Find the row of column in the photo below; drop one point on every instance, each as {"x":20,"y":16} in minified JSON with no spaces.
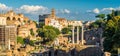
{"x":73,"y":35}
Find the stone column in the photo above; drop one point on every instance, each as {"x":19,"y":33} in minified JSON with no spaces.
{"x":82,"y":35}
{"x":77,"y":34}
{"x":9,"y":44}
{"x":73,"y":34}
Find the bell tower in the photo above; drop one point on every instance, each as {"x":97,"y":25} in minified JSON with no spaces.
{"x":53,"y":13}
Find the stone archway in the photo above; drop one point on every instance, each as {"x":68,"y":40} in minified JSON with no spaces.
{"x":14,"y":19}
{"x":19,"y":19}
{"x":8,"y":18}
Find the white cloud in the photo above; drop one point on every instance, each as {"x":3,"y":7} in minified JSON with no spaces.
{"x":104,"y":9}
{"x":31,"y":9}
{"x":66,"y":11}
{"x":96,"y":10}
{"x":118,"y":8}
{"x":4,"y":7}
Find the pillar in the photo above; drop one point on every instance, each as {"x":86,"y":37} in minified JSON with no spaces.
{"x":9,"y":44}
{"x":73,"y":34}
{"x":77,"y":34}
{"x":82,"y":35}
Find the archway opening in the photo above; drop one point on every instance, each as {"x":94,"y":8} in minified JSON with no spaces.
{"x":19,"y":19}
{"x":14,"y":18}
{"x":8,"y":18}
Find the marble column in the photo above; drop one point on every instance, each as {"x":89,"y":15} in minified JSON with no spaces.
{"x":9,"y":44}
{"x":73,"y":34}
{"x":82,"y":35}
{"x":77,"y":34}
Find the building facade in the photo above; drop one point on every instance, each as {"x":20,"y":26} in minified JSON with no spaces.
{"x":42,"y":17}
{"x":55,"y":24}
{"x":23,"y":32}
{"x":55,"y":21}
{"x":2,"y":21}
{"x":13,"y":19}
{"x":22,"y":23}
{"x":7,"y":36}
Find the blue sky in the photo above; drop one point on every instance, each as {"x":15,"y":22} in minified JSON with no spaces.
{"x":70,"y":9}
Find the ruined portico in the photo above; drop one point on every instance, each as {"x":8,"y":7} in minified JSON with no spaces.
{"x":77,"y":38}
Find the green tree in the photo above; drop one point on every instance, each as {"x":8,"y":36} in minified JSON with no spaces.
{"x":31,"y":43}
{"x":50,"y":34}
{"x":69,"y":25}
{"x":65,"y":30}
{"x":100,"y":16}
{"x":41,"y":24}
{"x":51,"y":27}
{"x":31,"y":32}
{"x":111,"y":16}
{"x":99,"y":23}
{"x":94,"y":25}
{"x":20,"y":40}
{"x":112,"y":34}
{"x":40,"y":32}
